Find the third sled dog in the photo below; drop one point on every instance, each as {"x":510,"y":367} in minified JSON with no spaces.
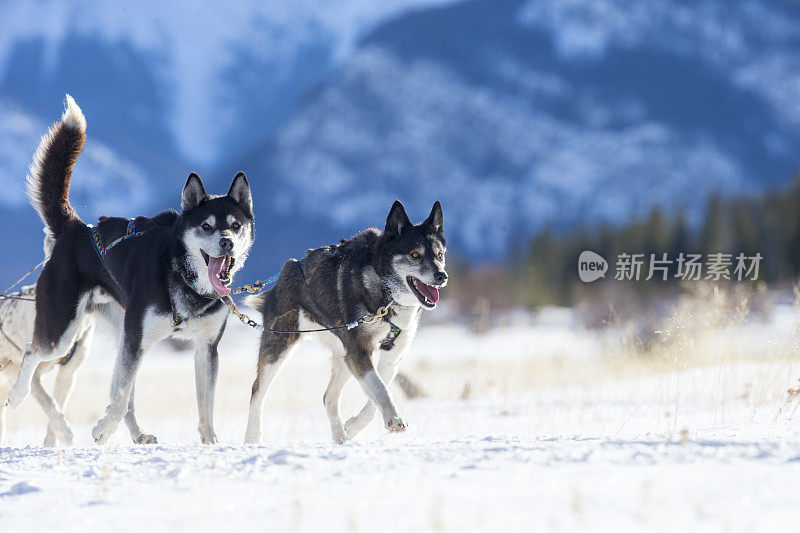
{"x":401,"y":267}
{"x":166,"y":275}
{"x":16,"y":328}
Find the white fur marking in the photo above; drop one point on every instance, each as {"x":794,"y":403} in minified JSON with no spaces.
{"x":73,"y":116}
{"x":326,"y":338}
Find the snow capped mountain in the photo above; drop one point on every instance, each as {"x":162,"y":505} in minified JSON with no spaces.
{"x":516,"y":114}
{"x":206,"y":74}
{"x":524,"y":114}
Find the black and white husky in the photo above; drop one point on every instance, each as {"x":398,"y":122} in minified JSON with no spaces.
{"x":401,"y":268}
{"x":164,"y":274}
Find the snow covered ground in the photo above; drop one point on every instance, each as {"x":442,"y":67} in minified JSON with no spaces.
{"x":532,"y":427}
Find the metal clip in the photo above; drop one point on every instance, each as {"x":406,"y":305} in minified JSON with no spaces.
{"x":380,"y":313}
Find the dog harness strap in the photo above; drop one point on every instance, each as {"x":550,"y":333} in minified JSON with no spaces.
{"x":177,"y":319}
{"x":26,"y":295}
{"x":98,"y":241}
{"x":101,"y":253}
{"x":256,"y":286}
{"x":130,"y":231}
{"x":300,"y":267}
{"x":14,"y":344}
{"x":388,"y":341}
{"x":67,"y":358}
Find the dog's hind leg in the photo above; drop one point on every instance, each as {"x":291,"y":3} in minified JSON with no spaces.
{"x":53,"y":336}
{"x":57,"y":426}
{"x":339,"y":378}
{"x":31,"y":360}
{"x":65,"y":378}
{"x":388,"y":366}
{"x":265,"y":375}
{"x":272,"y":353}
{"x":138,"y":436}
{"x":135,"y":341}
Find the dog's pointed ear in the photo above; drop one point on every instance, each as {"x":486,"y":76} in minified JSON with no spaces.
{"x":436,"y":218}
{"x":397,"y":222}
{"x":240,"y":191}
{"x":193,"y":193}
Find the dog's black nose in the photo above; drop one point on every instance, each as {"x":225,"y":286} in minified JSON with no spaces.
{"x":226,"y":244}
{"x":440,"y":277}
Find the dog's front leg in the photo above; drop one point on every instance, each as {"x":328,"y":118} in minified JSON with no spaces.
{"x":128,"y":359}
{"x":359,"y":361}
{"x":387,"y":370}
{"x":138,"y":436}
{"x":206,"y":367}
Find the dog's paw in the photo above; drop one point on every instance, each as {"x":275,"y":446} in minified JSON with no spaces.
{"x":16,"y":395}
{"x":339,"y":435}
{"x":209,"y":439}
{"x":396,"y":425}
{"x":144,"y":438}
{"x":65,"y":435}
{"x":101,"y":432}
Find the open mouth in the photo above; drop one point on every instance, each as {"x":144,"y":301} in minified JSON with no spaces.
{"x":219,"y":272}
{"x":428,"y":295}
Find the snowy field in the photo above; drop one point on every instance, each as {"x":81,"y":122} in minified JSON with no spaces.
{"x":542,"y":426}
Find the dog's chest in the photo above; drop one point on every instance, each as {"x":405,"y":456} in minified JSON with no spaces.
{"x":204,"y":326}
{"x":158,"y":326}
{"x":397,"y":330}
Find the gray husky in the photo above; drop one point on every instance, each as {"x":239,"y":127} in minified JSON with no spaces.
{"x":164,"y":276}
{"x":400,"y":268}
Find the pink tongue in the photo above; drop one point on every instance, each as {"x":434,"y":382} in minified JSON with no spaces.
{"x":215,"y":266}
{"x":431,"y":293}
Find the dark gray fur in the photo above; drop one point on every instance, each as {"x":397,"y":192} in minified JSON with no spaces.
{"x":339,"y":287}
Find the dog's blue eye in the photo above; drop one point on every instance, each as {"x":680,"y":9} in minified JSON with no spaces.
{"x":236,"y":226}
{"x":206,"y":226}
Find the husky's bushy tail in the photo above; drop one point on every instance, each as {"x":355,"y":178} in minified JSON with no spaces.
{"x":51,"y":170}
{"x":256,"y":301}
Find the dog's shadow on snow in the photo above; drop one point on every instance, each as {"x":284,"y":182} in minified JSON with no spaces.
{"x":18,"y":489}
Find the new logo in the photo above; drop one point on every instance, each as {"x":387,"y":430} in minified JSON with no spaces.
{"x":591,"y":266}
